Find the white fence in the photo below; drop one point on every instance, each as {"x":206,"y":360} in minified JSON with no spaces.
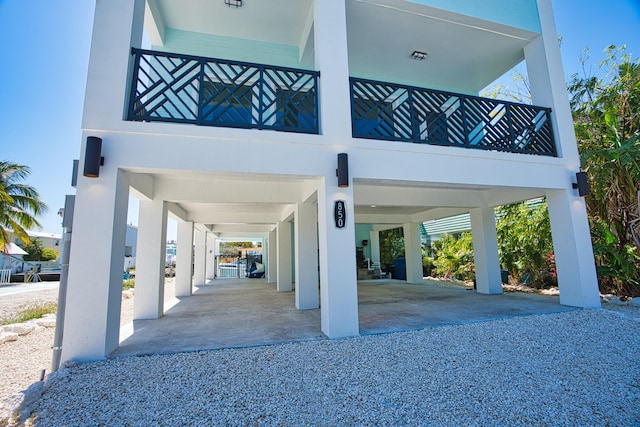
{"x":5,"y":276}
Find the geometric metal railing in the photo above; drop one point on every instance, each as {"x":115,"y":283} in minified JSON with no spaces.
{"x":177,"y":88}
{"x":396,"y":112}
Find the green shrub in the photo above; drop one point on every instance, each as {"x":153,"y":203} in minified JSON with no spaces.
{"x":128,"y":284}
{"x":525,"y":244}
{"x":427,"y":265}
{"x":453,"y":257}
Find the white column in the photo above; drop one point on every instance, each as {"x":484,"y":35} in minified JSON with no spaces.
{"x":306,"y":241}
{"x":94,"y":286}
{"x":272,"y":257}
{"x":200,"y":258}
{"x":547,"y":83}
{"x":338,"y":284}
{"x":485,"y":251}
{"x":184,"y":259}
{"x":413,"y":252}
{"x":150,"y":260}
{"x":374,"y":245}
{"x":284,"y":279}
{"x":330,"y":36}
{"x":211,"y":256}
{"x":117,"y":27}
{"x":216,"y":252}
{"x":575,"y":264}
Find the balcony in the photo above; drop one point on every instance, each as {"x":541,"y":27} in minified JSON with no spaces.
{"x":393,"y":112}
{"x":213,"y":92}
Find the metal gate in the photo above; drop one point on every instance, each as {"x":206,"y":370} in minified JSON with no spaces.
{"x":234,"y":267}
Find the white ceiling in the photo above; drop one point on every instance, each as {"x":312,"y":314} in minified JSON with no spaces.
{"x":228,"y":206}
{"x":464,"y":53}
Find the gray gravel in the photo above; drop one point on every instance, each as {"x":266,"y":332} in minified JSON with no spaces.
{"x":575,"y":368}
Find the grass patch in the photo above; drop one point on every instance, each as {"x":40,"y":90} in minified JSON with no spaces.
{"x":128,"y":284}
{"x":34,"y":311}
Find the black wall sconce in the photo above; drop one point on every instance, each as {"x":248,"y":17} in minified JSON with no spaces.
{"x":343,"y":170}
{"x":581,"y":184}
{"x":92,"y":157}
{"x":233,"y":3}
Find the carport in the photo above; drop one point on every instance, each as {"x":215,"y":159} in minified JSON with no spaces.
{"x":250,"y":312}
{"x":291,"y":217}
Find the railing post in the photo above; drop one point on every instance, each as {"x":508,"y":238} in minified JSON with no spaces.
{"x":261,"y":105}
{"x":415,"y":126}
{"x":463,"y":112}
{"x":134,"y":83}
{"x":199,"y":118}
{"x":512,"y":136}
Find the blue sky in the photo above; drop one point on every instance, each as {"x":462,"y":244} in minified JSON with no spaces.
{"x":45,"y":49}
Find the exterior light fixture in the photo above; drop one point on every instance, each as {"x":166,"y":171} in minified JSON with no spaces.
{"x":233,"y":3}
{"x":343,"y":170}
{"x":419,"y":55}
{"x":581,"y":184}
{"x":92,"y":157}
{"x":74,"y":173}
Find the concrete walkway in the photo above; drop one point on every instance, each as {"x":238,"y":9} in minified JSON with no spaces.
{"x":20,"y":287}
{"x":250,"y":312}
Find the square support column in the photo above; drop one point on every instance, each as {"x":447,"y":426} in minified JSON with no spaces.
{"x":575,"y":263}
{"x":331,"y":56}
{"x":200,"y":258}
{"x":374,"y":245}
{"x":413,"y":252}
{"x":211,"y":256}
{"x":94,"y":286}
{"x":485,"y":251}
{"x":272,"y":257}
{"x":284,"y":277}
{"x":548,"y":86}
{"x":338,"y":284}
{"x":306,"y":246}
{"x":150,"y":260}
{"x":184,"y":259}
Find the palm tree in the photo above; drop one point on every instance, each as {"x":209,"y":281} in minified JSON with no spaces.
{"x":20,"y":204}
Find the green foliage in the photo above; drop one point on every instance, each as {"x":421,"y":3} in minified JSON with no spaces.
{"x":37,"y":252}
{"x":128,"y":284}
{"x":20,"y":204}
{"x":232,"y":249}
{"x":517,"y":91}
{"x":49,"y":254}
{"x":454,"y":257}
{"x":606,"y":111}
{"x":391,"y":245}
{"x":525,"y":243}
{"x":427,"y":265}
{"x":31,"y":312}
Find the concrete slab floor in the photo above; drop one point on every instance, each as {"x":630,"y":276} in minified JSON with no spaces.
{"x":250,"y":312}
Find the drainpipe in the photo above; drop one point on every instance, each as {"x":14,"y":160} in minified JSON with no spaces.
{"x":67,"y":221}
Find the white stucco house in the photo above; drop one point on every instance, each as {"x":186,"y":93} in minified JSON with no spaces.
{"x":235,"y":121}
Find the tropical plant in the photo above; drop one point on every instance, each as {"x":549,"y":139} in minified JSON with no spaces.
{"x":20,"y":204}
{"x":454,"y":257}
{"x":524,"y":242}
{"x":391,"y":245}
{"x":606,"y":111}
{"x":37,"y":252}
